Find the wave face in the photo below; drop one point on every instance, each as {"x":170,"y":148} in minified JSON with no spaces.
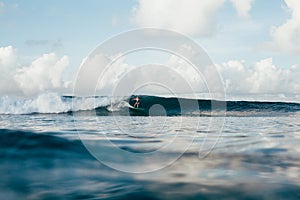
{"x":51,"y":103}
{"x":154,"y":105}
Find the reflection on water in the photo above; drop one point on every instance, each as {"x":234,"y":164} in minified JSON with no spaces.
{"x":254,"y":158}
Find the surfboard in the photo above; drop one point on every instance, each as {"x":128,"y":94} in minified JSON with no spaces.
{"x":137,"y":111}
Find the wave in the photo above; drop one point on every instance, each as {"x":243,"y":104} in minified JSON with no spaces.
{"x":51,"y":103}
{"x":32,"y":141}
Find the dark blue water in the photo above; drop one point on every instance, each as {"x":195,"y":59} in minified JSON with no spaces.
{"x":251,"y":153}
{"x":173,"y":106}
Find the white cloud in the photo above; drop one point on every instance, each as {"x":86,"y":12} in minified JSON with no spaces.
{"x":8,"y":65}
{"x":102,"y":75}
{"x":262,"y":78}
{"x":242,"y":7}
{"x":286,"y":37}
{"x":8,"y":57}
{"x":43,"y":74}
{"x":192,"y":17}
{"x":265,"y":77}
{"x":106,"y":75}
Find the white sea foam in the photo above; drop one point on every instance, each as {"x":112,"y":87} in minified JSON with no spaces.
{"x":52,"y":103}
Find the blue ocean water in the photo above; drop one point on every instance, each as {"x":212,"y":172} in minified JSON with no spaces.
{"x":53,"y":151}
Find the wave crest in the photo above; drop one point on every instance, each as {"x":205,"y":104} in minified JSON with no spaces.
{"x":52,"y":103}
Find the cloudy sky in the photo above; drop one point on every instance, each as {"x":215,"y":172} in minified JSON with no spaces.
{"x":255,"y":44}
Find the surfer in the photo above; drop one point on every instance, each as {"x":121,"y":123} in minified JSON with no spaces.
{"x":137,"y":102}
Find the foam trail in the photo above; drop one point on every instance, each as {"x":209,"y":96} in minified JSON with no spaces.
{"x":118,"y":106}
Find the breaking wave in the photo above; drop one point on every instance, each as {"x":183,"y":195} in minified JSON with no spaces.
{"x":52,"y":103}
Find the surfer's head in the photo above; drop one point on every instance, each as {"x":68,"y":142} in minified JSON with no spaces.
{"x":136,"y":98}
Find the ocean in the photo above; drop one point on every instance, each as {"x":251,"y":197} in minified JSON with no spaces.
{"x":65,"y":147}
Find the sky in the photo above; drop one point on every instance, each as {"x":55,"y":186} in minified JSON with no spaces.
{"x":254,"y":44}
